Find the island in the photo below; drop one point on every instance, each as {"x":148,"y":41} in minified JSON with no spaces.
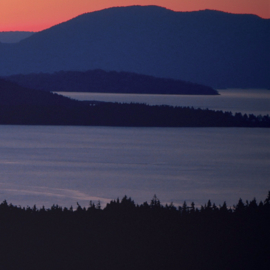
{"x":100,"y":81}
{"x":23,"y":106}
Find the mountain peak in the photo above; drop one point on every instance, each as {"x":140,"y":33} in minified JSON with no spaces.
{"x":206,"y":47}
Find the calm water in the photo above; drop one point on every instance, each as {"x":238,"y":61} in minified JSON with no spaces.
{"x":256,"y":101}
{"x":64,"y":165}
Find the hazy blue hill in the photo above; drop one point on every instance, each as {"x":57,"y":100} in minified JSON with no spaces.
{"x":207,"y":47}
{"x":14,"y":36}
{"x":108,"y":82}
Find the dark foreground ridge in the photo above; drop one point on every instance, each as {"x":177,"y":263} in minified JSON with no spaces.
{"x":23,"y":106}
{"x":124,"y":235}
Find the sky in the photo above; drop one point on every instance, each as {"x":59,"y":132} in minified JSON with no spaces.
{"x":37,"y":15}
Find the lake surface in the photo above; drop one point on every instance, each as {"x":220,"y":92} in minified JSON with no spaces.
{"x":250,"y":101}
{"x":47,"y":165}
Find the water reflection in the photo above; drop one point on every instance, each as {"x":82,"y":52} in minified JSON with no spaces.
{"x":62,"y":165}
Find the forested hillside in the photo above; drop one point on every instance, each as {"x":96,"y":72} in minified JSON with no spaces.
{"x":23,"y":106}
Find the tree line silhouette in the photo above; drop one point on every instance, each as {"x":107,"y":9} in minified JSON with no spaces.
{"x":125,"y":115}
{"x":125,"y":235}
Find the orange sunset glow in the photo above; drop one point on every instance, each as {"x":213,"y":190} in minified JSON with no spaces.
{"x":36,"y":15}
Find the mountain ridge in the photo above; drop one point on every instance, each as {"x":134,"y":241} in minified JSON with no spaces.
{"x":206,"y":47}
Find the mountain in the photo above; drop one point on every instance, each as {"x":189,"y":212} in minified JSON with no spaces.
{"x":108,"y":82}
{"x":206,"y":47}
{"x":14,"y":36}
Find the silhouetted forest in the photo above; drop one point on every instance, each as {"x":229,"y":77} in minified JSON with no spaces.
{"x":100,"y":81}
{"x":125,"y":235}
{"x":23,"y":106}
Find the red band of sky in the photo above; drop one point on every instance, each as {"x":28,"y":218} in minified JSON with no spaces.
{"x":36,"y":15}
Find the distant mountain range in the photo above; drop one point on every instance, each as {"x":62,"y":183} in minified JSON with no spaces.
{"x":206,"y":47}
{"x":108,"y":82}
{"x":13,"y":37}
